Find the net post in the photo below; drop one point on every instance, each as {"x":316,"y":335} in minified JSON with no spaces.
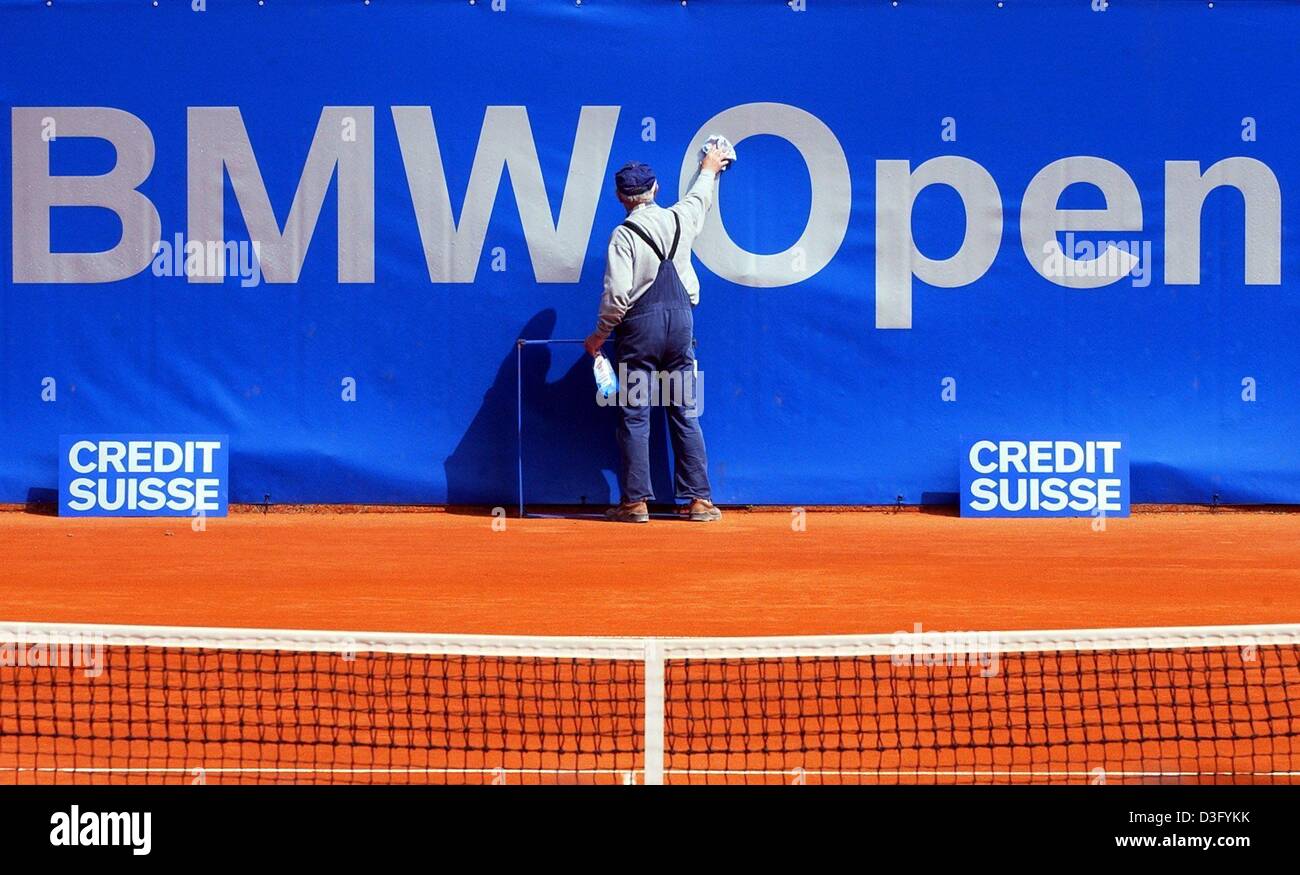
{"x":654,"y":712}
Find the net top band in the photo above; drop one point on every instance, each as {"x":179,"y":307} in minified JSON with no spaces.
{"x":915,"y":643}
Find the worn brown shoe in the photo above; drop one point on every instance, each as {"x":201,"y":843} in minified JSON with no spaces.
{"x":629,"y":512}
{"x":701,"y":510}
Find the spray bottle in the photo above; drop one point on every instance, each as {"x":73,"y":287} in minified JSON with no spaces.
{"x":606,"y":382}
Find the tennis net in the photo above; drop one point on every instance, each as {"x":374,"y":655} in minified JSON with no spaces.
{"x":124,"y":704}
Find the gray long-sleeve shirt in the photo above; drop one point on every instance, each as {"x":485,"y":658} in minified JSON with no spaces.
{"x":631,"y":265}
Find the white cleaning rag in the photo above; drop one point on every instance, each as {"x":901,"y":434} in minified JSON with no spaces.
{"x":717,"y":141}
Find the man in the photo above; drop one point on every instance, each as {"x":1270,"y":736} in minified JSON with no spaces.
{"x":650,"y":290}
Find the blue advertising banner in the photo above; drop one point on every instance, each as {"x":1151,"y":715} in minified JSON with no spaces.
{"x":1014,"y":477}
{"x":143,"y":475}
{"x":319,"y":227}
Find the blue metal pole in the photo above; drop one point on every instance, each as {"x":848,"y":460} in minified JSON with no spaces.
{"x":519,"y":418}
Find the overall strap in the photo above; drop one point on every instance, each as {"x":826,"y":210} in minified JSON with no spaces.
{"x":677,"y":233}
{"x":636,"y":229}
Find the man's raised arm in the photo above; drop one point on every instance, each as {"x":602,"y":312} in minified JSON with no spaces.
{"x":699,"y":198}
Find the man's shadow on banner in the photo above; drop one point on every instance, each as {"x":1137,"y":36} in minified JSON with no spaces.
{"x":570,"y":452}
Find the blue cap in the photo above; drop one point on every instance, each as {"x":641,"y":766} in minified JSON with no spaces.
{"x":634,"y":178}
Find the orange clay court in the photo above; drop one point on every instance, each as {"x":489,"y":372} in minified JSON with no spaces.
{"x":752,"y":575}
{"x":848,"y":573}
